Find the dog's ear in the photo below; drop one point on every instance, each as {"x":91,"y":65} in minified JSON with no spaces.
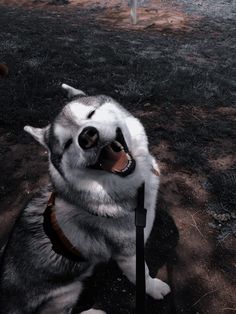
{"x":40,"y":135}
{"x":71,"y":91}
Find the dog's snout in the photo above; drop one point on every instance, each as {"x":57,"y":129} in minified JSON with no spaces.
{"x":88,"y":138}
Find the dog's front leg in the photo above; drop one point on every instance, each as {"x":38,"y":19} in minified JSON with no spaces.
{"x":155,"y":287}
{"x":61,"y":300}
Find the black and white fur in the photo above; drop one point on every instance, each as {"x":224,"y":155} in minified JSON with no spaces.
{"x":94,"y":208}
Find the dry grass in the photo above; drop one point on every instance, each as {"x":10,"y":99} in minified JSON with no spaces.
{"x":177,"y":77}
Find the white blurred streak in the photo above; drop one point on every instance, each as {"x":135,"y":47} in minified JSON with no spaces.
{"x":133,"y":11}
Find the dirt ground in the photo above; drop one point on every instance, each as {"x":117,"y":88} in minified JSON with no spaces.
{"x":175,"y":71}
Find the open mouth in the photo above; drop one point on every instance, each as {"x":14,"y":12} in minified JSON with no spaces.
{"x":116,"y":158}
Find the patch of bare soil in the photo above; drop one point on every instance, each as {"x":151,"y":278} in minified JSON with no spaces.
{"x":163,"y":19}
{"x":155,"y":14}
{"x":177,"y":77}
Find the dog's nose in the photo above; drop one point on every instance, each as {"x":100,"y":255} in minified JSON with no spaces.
{"x":88,"y":138}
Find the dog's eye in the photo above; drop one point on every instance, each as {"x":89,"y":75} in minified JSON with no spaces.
{"x":91,"y":114}
{"x":68,"y":143}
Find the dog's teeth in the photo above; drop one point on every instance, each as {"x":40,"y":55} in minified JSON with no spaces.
{"x":127,"y":167}
{"x":119,"y":145}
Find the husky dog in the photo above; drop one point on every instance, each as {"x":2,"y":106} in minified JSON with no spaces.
{"x":98,"y":158}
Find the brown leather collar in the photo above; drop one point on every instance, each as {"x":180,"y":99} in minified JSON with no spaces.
{"x":60,"y":243}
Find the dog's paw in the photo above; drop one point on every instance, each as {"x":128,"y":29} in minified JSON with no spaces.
{"x":157,"y":289}
{"x":93,"y":311}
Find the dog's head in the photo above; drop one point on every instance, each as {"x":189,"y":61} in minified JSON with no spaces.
{"x":92,"y":136}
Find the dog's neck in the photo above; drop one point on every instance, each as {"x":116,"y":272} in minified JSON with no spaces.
{"x":97,"y":204}
{"x":95,"y":199}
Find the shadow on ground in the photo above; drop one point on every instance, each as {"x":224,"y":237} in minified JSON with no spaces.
{"x":180,"y":84}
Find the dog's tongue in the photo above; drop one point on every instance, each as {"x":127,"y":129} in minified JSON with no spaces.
{"x":114,"y":161}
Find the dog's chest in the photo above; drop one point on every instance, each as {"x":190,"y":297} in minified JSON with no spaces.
{"x":104,"y":233}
